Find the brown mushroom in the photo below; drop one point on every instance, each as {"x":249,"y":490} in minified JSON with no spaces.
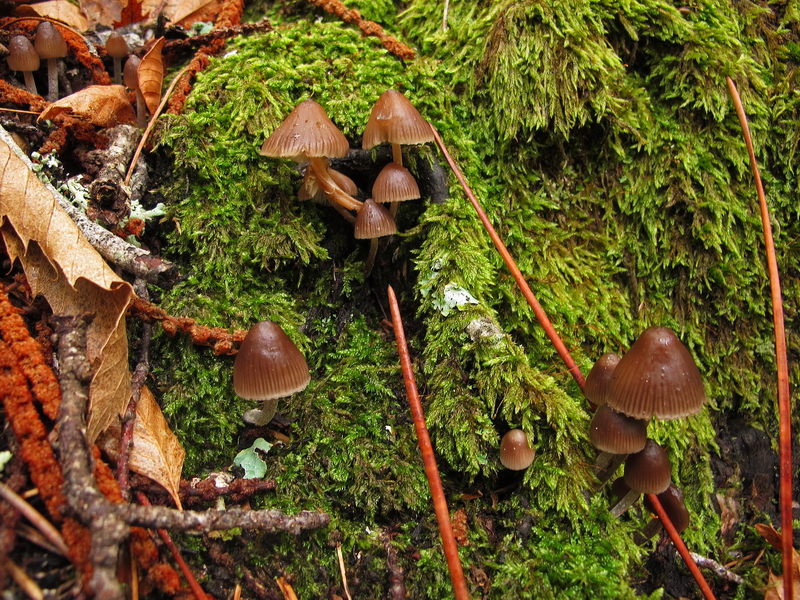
{"x":308,"y":134}
{"x":373,"y":222}
{"x":117,"y":49}
{"x":395,"y":120}
{"x":515,"y":450}
{"x":672,"y":502}
{"x":648,"y":471}
{"x":50,"y":45}
{"x":268,"y":366}
{"x":131,"y":78}
{"x":598,"y":378}
{"x":394,"y":184}
{"x":656,"y":377}
{"x":23,"y":57}
{"x":616,"y":433}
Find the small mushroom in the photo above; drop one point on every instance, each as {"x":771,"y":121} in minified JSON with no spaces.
{"x":50,"y":45}
{"x":394,"y":184}
{"x":311,"y":190}
{"x":395,"y":120}
{"x":599,"y":377}
{"x":130,"y":75}
{"x":23,"y":57}
{"x":672,"y":502}
{"x":515,"y":450}
{"x":616,"y":433}
{"x":268,"y":366}
{"x":656,"y":377}
{"x":117,"y":49}
{"x":373,"y":222}
{"x":648,"y":471}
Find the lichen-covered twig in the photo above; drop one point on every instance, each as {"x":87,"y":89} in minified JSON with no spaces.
{"x":110,"y":198}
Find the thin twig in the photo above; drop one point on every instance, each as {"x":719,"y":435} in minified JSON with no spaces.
{"x":35,"y":517}
{"x":784,"y":399}
{"x":340,"y":558}
{"x":428,"y":458}
{"x":541,"y":316}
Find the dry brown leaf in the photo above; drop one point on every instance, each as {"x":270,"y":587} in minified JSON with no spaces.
{"x":775,"y":585}
{"x":187,"y":12}
{"x":101,"y":105}
{"x":151,"y":76}
{"x":64,"y":11}
{"x":61,"y":265}
{"x":103,"y":12}
{"x":156,"y":452}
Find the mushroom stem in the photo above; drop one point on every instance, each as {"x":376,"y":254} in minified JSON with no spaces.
{"x":336,"y":194}
{"x":620,"y":507}
{"x":373,"y":252}
{"x":30,"y":84}
{"x":117,"y":70}
{"x":397,"y":154}
{"x":605,"y":465}
{"x":261,"y":416}
{"x":141,"y":115}
{"x":52,"y":80}
{"x":648,"y":531}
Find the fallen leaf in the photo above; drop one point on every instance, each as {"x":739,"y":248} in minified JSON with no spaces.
{"x":775,"y":584}
{"x":61,"y":265}
{"x":151,"y":76}
{"x":103,"y":12}
{"x":101,"y":105}
{"x":64,"y":11}
{"x":156,"y":452}
{"x":187,"y":12}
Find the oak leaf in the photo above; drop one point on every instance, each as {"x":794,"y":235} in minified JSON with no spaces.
{"x":101,"y":105}
{"x":61,"y":265}
{"x":156,"y":452}
{"x":151,"y":76}
{"x":187,"y":12}
{"x":64,"y":11}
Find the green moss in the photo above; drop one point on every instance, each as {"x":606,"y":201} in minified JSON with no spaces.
{"x":601,"y":141}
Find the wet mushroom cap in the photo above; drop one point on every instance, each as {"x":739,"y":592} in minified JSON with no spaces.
{"x":598,"y":378}
{"x":395,"y":120}
{"x":130,"y":73}
{"x":395,"y":183}
{"x":373,"y":221}
{"x":23,"y":56}
{"x":515,"y":450}
{"x":269,"y":365}
{"x":616,"y":433}
{"x":656,"y":377}
{"x":116,"y":46}
{"x":306,"y":133}
{"x":672,"y":501}
{"x":648,"y":471}
{"x":49,"y":42}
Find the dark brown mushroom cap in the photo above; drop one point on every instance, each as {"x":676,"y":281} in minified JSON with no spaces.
{"x":269,"y":365}
{"x":394,"y":183}
{"x":130,"y":72}
{"x":373,"y":221}
{"x":48,"y":41}
{"x":116,"y":46}
{"x":306,"y":133}
{"x":648,"y":471}
{"x":616,"y":433}
{"x":598,"y":378}
{"x":672,"y":501}
{"x":656,"y":377}
{"x":395,"y":120}
{"x":22,"y":55}
{"x":515,"y":450}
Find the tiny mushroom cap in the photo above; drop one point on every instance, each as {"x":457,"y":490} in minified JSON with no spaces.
{"x":306,"y":133}
{"x":116,"y":46}
{"x":130,"y":73}
{"x":648,"y":471}
{"x":373,"y":221}
{"x":515,"y":450}
{"x":598,"y":378}
{"x":616,"y":433}
{"x":672,"y":501}
{"x":656,"y":377}
{"x":395,"y":120}
{"x":22,"y":55}
{"x":49,"y":42}
{"x":269,"y":365}
{"x":395,"y":183}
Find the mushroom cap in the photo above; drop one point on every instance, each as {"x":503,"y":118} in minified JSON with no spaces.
{"x":616,"y":433}
{"x":515,"y":450}
{"x":116,"y":46}
{"x":48,"y":41}
{"x":648,"y":471}
{"x":269,"y":365}
{"x":306,"y":133}
{"x":23,"y":56}
{"x":130,"y":72}
{"x":598,"y":378}
{"x":656,"y":377}
{"x":395,"y":120}
{"x":394,"y":183}
{"x":672,"y":501}
{"x":373,"y":221}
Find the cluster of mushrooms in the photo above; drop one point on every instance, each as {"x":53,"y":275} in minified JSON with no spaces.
{"x":309,"y":136}
{"x":657,"y":377}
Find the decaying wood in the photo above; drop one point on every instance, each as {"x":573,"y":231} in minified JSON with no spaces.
{"x":110,"y":198}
